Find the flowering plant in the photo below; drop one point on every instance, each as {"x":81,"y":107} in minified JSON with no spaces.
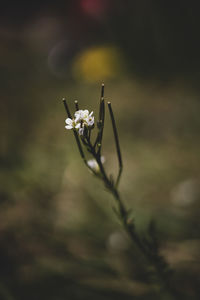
{"x":82,"y":124}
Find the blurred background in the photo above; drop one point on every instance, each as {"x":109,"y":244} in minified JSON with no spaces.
{"x":59,"y":237}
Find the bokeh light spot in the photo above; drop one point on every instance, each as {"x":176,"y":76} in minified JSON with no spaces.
{"x":98,"y":64}
{"x":94,"y":8}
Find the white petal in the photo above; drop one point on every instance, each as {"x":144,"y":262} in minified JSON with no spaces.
{"x":78,"y":125}
{"x":85,"y":112}
{"x":77,"y":113}
{"x":103,"y":159}
{"x":77,"y":119}
{"x":90,"y":121}
{"x":68,"y":127}
{"x":93,"y":165}
{"x":68,"y":121}
{"x":81,"y":131}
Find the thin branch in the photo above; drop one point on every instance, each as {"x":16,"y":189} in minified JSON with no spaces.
{"x":67,"y":108}
{"x":100,"y":135}
{"x":76,"y":105}
{"x":101,"y":121}
{"x":79,"y":146}
{"x":102,"y":90}
{"x":89,"y":133}
{"x":101,"y":104}
{"x":116,"y":142}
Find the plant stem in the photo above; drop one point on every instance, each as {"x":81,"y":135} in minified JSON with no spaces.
{"x":116,"y":143}
{"x":152,"y":258}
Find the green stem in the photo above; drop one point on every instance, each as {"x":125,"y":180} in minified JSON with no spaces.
{"x":119,"y":156}
{"x":151,"y":257}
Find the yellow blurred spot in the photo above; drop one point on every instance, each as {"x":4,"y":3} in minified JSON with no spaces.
{"x":97,"y":64}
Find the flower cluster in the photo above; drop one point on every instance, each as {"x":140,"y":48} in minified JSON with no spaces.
{"x":82,"y":119}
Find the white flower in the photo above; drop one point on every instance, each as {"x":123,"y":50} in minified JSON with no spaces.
{"x":81,"y":115}
{"x":84,"y":117}
{"x":92,"y":163}
{"x":70,"y":123}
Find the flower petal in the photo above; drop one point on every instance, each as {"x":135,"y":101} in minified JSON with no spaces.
{"x":85,"y":112}
{"x":103,"y":159}
{"x":78,"y":125}
{"x":68,"y":121}
{"x":93,"y":165}
{"x":81,"y":130}
{"x":68,"y":127}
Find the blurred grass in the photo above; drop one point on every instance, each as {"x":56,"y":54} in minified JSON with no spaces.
{"x":59,"y":237}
